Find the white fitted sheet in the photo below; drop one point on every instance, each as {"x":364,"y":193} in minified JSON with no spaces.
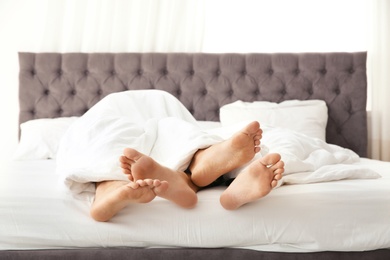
{"x":347,"y":215}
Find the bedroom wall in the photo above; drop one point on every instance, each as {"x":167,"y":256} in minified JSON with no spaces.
{"x":240,"y":26}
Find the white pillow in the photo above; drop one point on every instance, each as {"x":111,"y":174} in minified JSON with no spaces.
{"x":40,"y":138}
{"x":308,"y":117}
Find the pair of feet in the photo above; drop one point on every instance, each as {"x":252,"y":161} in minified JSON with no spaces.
{"x":149,"y":179}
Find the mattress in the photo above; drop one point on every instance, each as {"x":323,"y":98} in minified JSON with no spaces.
{"x":36,"y":214}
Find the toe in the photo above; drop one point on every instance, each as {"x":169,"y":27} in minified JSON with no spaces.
{"x":278,"y":166}
{"x":271,"y":159}
{"x":278,"y":177}
{"x":132,"y":154}
{"x":133,"y":185}
{"x":156,"y":182}
{"x":149,"y":182}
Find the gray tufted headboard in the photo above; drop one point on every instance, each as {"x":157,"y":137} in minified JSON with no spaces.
{"x":68,"y":84}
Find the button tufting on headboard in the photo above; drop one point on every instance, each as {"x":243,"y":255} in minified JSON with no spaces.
{"x":67,"y":84}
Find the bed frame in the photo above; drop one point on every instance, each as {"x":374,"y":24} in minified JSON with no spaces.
{"x":68,"y":84}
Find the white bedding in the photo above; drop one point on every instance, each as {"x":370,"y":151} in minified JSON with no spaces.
{"x":153,"y":122}
{"x":331,"y":199}
{"x":157,"y":124}
{"x":345,"y":215}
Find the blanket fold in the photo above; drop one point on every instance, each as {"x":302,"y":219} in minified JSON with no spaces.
{"x":155,"y":123}
{"x":151,"y":121}
{"x":311,"y":160}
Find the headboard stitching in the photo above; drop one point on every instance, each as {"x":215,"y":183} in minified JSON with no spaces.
{"x":68,"y":84}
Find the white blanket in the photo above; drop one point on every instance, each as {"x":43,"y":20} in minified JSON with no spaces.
{"x":310,"y":160}
{"x":151,"y":121}
{"x":157,"y":124}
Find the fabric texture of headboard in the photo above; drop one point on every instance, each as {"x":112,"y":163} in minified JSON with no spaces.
{"x":68,"y":84}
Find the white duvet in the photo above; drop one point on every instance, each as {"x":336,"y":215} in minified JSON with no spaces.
{"x":346,"y":215}
{"x":157,"y":124}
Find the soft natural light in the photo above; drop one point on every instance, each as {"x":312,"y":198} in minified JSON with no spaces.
{"x":215,"y":26}
{"x":285,"y":26}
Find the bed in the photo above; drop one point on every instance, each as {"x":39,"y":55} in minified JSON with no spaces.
{"x":344,"y":217}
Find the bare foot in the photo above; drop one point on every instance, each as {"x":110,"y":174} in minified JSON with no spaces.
{"x":140,"y":166}
{"x":210,"y":163}
{"x":254,"y":182}
{"x":112,"y":196}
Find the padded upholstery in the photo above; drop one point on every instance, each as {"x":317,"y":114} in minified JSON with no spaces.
{"x":68,"y":84}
